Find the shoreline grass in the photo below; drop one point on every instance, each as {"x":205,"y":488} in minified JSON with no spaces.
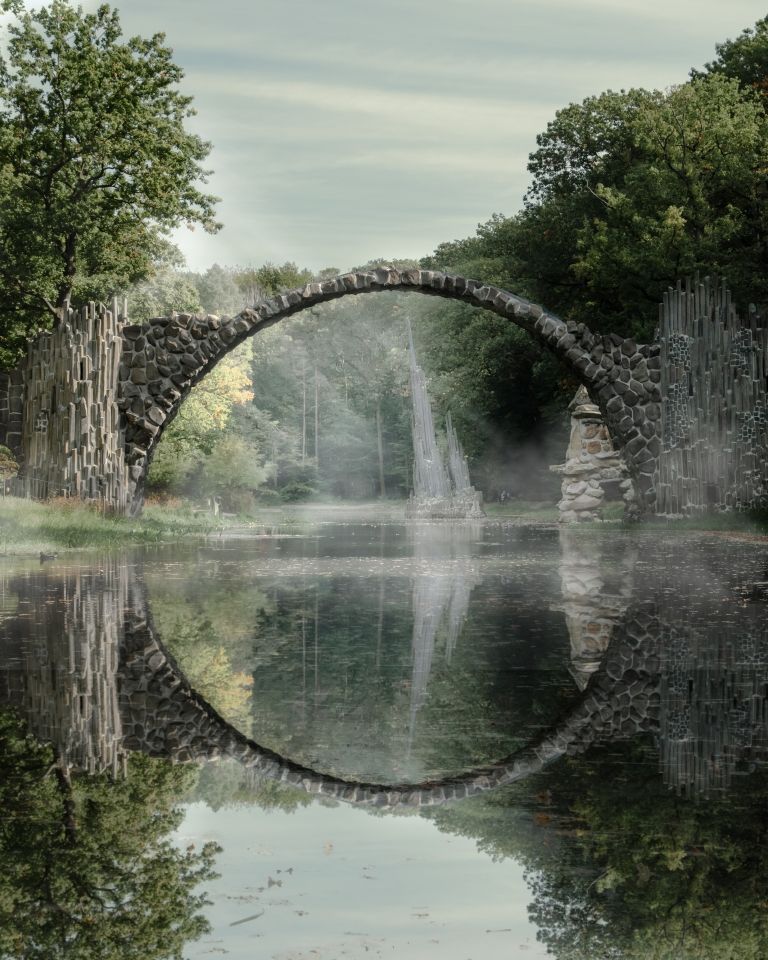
{"x":28,"y":527}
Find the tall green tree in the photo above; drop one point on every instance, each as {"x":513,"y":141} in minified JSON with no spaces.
{"x":88,"y":868}
{"x":95,"y":162}
{"x":744,"y":59}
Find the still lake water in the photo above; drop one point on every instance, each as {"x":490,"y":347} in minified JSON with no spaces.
{"x":628,"y":676}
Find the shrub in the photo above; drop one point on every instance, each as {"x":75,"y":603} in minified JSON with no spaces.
{"x":296,"y":492}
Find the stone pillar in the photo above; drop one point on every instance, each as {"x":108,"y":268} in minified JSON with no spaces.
{"x":593,"y":470}
{"x":63,"y":421}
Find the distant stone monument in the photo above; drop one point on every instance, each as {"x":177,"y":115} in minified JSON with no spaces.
{"x":439,"y":492}
{"x":593,"y":471}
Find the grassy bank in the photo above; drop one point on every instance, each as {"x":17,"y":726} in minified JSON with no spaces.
{"x":30,"y":528}
{"x":27,"y":527}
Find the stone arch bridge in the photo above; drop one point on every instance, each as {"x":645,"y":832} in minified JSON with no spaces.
{"x":90,"y":675}
{"x":85,"y":410}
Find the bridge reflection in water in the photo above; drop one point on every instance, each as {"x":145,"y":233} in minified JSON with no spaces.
{"x":679,"y":654}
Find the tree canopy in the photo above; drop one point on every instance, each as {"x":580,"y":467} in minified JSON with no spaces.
{"x":88,"y":867}
{"x":95,"y":162}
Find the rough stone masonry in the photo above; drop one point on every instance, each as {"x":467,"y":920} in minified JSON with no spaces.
{"x":140,"y":386}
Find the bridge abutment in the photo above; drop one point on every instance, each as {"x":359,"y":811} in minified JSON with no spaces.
{"x":87,"y":407}
{"x":60,"y":416}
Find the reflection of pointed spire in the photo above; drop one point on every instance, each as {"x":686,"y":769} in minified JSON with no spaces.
{"x":445,"y":586}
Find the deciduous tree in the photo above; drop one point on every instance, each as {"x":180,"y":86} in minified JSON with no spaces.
{"x":95,"y":162}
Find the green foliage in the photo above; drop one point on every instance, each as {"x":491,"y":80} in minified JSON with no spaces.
{"x":27,"y":527}
{"x":255,"y":283}
{"x":186,"y":460}
{"x":632,"y":191}
{"x":88,"y":869}
{"x":296,"y":492}
{"x":232,"y":472}
{"x":96,"y":162}
{"x":166,"y":290}
{"x":621,"y":867}
{"x":218,"y":290}
{"x":745,"y":59}
{"x":8,"y":465}
{"x":197,"y":646}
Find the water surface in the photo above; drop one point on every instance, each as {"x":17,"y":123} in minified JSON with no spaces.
{"x":629,"y":672}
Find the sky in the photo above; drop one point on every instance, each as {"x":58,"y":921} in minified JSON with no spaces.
{"x":344,"y":130}
{"x":346,"y":884}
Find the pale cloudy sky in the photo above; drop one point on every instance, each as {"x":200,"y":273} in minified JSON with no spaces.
{"x":344,"y":130}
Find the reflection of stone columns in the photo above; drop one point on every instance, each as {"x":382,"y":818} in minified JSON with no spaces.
{"x":60,"y":654}
{"x":593,"y":471}
{"x":713,"y":689}
{"x":592,"y":606}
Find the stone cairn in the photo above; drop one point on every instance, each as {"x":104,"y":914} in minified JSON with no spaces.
{"x":594,"y":470}
{"x":439,"y":492}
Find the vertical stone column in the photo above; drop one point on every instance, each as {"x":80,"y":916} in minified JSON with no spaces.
{"x":71,"y":442}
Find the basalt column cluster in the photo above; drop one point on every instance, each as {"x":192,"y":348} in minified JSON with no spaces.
{"x":714,"y":453}
{"x":59,"y":411}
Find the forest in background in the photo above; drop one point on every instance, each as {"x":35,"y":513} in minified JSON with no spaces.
{"x":319,"y":405}
{"x":630,"y":191}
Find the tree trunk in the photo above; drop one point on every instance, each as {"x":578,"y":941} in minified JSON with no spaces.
{"x":303,"y":414}
{"x":64,"y":783}
{"x":380,"y":442}
{"x":274,"y":459}
{"x":317,"y":422}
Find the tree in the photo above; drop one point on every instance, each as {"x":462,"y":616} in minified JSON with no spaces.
{"x":96,"y":162}
{"x":255,"y":283}
{"x":201,"y":422}
{"x":745,"y":59}
{"x":88,"y":869}
{"x":165,"y":289}
{"x":219,"y":290}
{"x":693,"y":199}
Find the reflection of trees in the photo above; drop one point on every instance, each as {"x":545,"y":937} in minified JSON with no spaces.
{"x":87,"y":867}
{"x":621,"y":868}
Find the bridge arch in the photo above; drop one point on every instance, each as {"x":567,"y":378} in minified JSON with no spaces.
{"x":164,"y":358}
{"x":169,"y":719}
